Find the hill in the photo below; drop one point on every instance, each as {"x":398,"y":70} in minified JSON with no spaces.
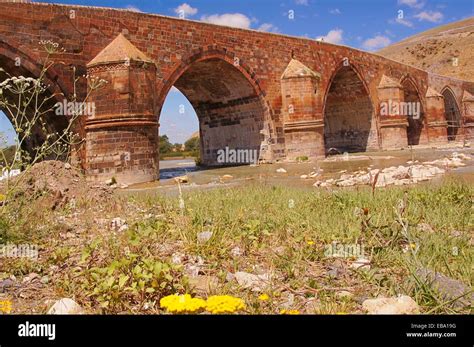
{"x":436,"y":49}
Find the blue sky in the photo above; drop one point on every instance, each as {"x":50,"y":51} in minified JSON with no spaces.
{"x":365,"y":24}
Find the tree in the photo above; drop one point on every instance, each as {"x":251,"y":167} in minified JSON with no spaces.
{"x":165,"y":144}
{"x":192,"y":145}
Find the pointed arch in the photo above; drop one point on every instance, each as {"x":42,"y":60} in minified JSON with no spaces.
{"x":228,"y":100}
{"x":349,"y":115}
{"x":417,"y":127}
{"x":452,"y":113}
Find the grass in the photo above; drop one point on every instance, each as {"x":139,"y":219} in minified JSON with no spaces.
{"x":278,"y":230}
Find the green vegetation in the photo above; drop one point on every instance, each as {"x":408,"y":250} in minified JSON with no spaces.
{"x":168,"y":150}
{"x":282,"y":231}
{"x":9,"y":153}
{"x":192,"y":145}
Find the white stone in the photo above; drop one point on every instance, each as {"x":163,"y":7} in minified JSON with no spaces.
{"x":397,"y":305}
{"x":204,"y":236}
{"x":281,"y":170}
{"x":236,"y":252}
{"x":181,"y":179}
{"x":118,"y":224}
{"x":65,"y":306}
{"x":361,"y":264}
{"x":251,"y":281}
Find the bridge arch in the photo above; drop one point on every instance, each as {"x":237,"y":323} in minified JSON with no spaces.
{"x":417,"y":126}
{"x":228,"y":100}
{"x":16,"y":63}
{"x":350,"y":124}
{"x":451,"y":112}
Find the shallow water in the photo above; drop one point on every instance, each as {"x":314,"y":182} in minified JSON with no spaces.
{"x":330,"y":167}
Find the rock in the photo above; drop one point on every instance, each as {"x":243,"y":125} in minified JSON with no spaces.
{"x":447,"y":287}
{"x":204,"y":236}
{"x":118,"y":224}
{"x":65,"y":306}
{"x":30,"y":278}
{"x":312,"y":305}
{"x":280,"y":250}
{"x":182,"y":179}
{"x":193,"y":269}
{"x":281,"y":170}
{"x":6,"y":284}
{"x":304,"y":177}
{"x":177,"y":258}
{"x":425,"y":227}
{"x":110,"y":182}
{"x":192,"y":264}
{"x":361,"y":264}
{"x":235,"y":252}
{"x":67,"y":166}
{"x":251,"y":281}
{"x":45,"y":280}
{"x":461,"y":156}
{"x":227,"y":177}
{"x":289,"y":301}
{"x":229,"y":277}
{"x":336,"y":269}
{"x":397,"y":305}
{"x":204,"y":284}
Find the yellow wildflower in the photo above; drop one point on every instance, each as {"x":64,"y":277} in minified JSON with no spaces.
{"x":218,"y":304}
{"x":182,"y":303}
{"x":290,"y":312}
{"x":5,"y":306}
{"x":263,"y":297}
{"x":310,"y":243}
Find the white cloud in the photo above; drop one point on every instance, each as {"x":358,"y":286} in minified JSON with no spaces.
{"x":430,"y":16}
{"x":333,"y":36}
{"x":301,"y":2}
{"x":376,"y":42}
{"x":268,"y":27}
{"x":335,"y":11}
{"x":412,"y":3}
{"x":185,"y":10}
{"x":404,"y":22}
{"x":236,"y":20}
{"x":133,"y":8}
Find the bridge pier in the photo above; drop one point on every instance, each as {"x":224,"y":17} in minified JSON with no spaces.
{"x":393,"y":128}
{"x":302,"y":111}
{"x":435,"y":116}
{"x":468,"y":109}
{"x":122,"y":135}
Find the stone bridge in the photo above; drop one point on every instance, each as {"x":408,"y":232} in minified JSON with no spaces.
{"x":285,"y":97}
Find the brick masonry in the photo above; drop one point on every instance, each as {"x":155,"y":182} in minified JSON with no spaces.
{"x":283,"y":96}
